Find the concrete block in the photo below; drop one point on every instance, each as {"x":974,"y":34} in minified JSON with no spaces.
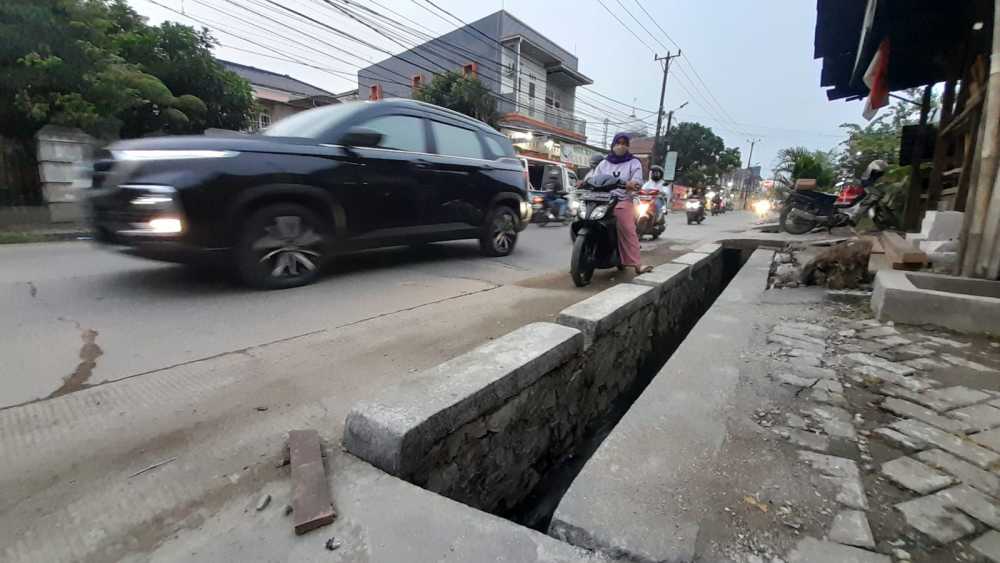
{"x":960,"y":304}
{"x":988,"y":545}
{"x":915,"y":476}
{"x":395,"y":431}
{"x":967,"y":473}
{"x":950,"y":443}
{"x":850,"y":527}
{"x":990,"y":439}
{"x":906,"y":409}
{"x":663,"y":276}
{"x":978,"y":417}
{"x":712,"y":249}
{"x":973,"y":503}
{"x":942,"y":225}
{"x":933,"y":246}
{"x":602,"y":312}
{"x":948,"y":398}
{"x":812,"y":550}
{"x":933,"y":517}
{"x":900,"y":440}
{"x":696,"y":260}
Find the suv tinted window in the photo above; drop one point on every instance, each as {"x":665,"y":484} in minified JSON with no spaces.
{"x":456,"y":141}
{"x":399,"y":132}
{"x":499,"y":146}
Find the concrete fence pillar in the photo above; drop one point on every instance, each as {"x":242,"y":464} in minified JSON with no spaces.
{"x":63,"y":155}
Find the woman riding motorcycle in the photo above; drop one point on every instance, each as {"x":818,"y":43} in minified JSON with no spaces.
{"x":625,"y":166}
{"x":656,"y":182}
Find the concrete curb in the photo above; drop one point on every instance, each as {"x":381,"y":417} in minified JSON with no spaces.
{"x":960,"y":304}
{"x":598,"y":314}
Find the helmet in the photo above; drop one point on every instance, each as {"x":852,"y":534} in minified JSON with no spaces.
{"x":595,"y":160}
{"x":656,"y":170}
{"x":878,"y":167}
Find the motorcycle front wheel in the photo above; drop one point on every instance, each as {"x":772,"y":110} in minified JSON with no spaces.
{"x":582,"y":262}
{"x":792,"y":225}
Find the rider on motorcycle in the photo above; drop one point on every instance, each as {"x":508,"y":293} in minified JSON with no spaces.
{"x":656,"y":182}
{"x":874,"y":189}
{"x":555,"y":198}
{"x":624,"y":165}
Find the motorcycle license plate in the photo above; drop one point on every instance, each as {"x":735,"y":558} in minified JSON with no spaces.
{"x":594,"y":196}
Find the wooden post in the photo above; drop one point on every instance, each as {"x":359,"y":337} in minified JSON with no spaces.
{"x":988,"y":261}
{"x":988,"y":158}
{"x":912,"y":212}
{"x":941,"y":146}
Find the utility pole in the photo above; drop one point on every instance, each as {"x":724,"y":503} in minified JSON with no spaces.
{"x":746,"y":177}
{"x":670,"y":119}
{"x":606,"y":121}
{"x":659,"y":115}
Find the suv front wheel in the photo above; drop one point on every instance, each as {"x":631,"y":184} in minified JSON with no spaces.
{"x":499,"y":232}
{"x":280,"y":246}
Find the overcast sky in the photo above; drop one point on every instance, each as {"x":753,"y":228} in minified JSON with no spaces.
{"x":747,"y":69}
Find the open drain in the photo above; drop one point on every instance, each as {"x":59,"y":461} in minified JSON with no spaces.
{"x":507,"y":427}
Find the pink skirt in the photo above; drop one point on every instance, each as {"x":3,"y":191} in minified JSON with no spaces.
{"x":628,"y":238}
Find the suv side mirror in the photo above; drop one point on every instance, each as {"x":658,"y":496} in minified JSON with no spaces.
{"x":361,"y":137}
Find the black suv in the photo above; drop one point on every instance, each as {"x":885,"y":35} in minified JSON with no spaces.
{"x":329,"y":180}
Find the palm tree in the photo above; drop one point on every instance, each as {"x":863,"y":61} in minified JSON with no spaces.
{"x":795,"y":163}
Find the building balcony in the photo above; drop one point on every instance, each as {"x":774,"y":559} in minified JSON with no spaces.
{"x":542,"y":117}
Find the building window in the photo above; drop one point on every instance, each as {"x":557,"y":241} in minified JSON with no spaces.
{"x":263,"y":119}
{"x":416,"y":82}
{"x":375,"y":92}
{"x":470,"y":70}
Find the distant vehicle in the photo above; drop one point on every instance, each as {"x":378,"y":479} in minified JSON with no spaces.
{"x":278,"y":205}
{"x":543,"y":175}
{"x":695,"y":208}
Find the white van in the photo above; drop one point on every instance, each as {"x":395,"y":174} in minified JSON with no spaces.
{"x":542,"y":174}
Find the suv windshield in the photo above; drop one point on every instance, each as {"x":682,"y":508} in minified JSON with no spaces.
{"x":312,"y":123}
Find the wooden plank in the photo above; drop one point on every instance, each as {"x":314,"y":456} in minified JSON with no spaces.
{"x":311,"y":505}
{"x":901,"y":254}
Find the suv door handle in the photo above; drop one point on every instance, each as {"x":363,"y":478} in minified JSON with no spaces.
{"x":421,"y":163}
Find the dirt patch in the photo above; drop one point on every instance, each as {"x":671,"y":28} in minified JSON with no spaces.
{"x":89,"y":353}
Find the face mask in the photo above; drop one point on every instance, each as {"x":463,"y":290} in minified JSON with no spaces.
{"x":620,"y":149}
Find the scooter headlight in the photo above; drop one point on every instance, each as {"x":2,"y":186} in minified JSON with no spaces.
{"x":574,"y":205}
{"x":599,"y":212}
{"x":642,"y":209}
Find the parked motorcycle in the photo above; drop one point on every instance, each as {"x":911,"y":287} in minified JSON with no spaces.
{"x":595,"y":232}
{"x":805,"y":210}
{"x":650,"y":218}
{"x":695,"y":208}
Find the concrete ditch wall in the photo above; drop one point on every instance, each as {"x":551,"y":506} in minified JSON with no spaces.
{"x":485,"y":427}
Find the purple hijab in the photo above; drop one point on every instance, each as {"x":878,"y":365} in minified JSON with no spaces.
{"x":614,"y":158}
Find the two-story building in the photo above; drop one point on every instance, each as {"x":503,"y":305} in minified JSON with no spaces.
{"x":533,"y":79}
{"x":280,"y":95}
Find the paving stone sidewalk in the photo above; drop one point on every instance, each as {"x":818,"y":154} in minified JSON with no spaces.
{"x":901,"y":425}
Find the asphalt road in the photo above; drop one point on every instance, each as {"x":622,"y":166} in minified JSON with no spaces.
{"x":76,"y":315}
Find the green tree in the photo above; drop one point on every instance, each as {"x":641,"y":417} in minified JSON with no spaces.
{"x":702,"y":155}
{"x":460,"y":93}
{"x":96,"y":65}
{"x":796,"y":163}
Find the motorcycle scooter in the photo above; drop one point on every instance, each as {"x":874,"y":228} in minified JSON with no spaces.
{"x":595,"y":231}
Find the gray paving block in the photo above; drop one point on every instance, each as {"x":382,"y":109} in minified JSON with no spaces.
{"x":964,"y":471}
{"x":894,"y":390}
{"x":850,"y":527}
{"x":709,"y":248}
{"x":948,"y":398}
{"x":978,"y":417}
{"x":925,"y":363}
{"x":899,"y":439}
{"x":696,"y":260}
{"x":808,"y":328}
{"x":911,"y":474}
{"x":835,"y":421}
{"x":878,"y":332}
{"x":893,"y":341}
{"x":966,"y":363}
{"x":805,"y":439}
{"x":906,"y":409}
{"x":797,"y":333}
{"x":932,"y":516}
{"x":811,"y":348}
{"x":974,"y":503}
{"x":990,"y":439}
{"x":812,"y":550}
{"x":874,"y":361}
{"x":844,"y":475}
{"x":950,"y":443}
{"x":600,"y":313}
{"x":794,"y":380}
{"x":988,"y":545}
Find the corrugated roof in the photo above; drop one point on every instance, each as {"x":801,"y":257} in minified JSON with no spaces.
{"x":268,"y":79}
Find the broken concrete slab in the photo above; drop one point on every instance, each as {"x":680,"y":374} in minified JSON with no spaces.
{"x":899,"y":439}
{"x":906,"y":409}
{"x":950,"y":443}
{"x":911,"y":382}
{"x":826,"y":397}
{"x":794,"y":380}
{"x":868,"y":360}
{"x":947,"y":398}
{"x":990,"y":439}
{"x":835,"y":421}
{"x":843,"y":473}
{"x":850,"y":527}
{"x":925,"y":363}
{"x":964,"y":471}
{"x":796,"y":333}
{"x":878,"y":332}
{"x":811,"y":550}
{"x":946,"y":341}
{"x":893,"y":341}
{"x":894,"y":390}
{"x":811,"y":348}
{"x":811,"y":329}
{"x":915,"y":476}
{"x":988,"y":545}
{"x":933,"y":517}
{"x":979,"y":418}
{"x":974,"y":503}
{"x":805,"y":439}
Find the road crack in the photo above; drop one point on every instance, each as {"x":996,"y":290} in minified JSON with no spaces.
{"x":89,"y":353}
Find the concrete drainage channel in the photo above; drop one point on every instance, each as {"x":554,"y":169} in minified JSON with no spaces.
{"x":506,"y":427}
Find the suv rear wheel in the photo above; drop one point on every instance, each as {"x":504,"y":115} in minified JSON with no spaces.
{"x":282,"y":245}
{"x":499,"y":232}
